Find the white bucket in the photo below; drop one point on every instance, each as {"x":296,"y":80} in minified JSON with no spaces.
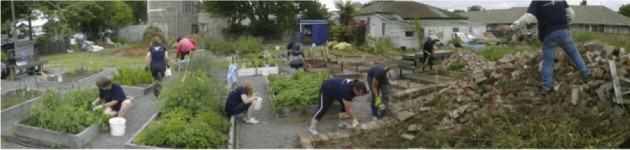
{"x":258,"y":103}
{"x":117,"y":126}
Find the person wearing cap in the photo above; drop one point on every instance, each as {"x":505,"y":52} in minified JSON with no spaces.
{"x":114,"y":100}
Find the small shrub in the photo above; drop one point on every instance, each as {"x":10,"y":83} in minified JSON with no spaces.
{"x":65,"y":112}
{"x":248,"y":45}
{"x":152,"y":31}
{"x":196,"y":93}
{"x":457,"y":66}
{"x":133,"y":76}
{"x":297,"y":91}
{"x":382,"y":46}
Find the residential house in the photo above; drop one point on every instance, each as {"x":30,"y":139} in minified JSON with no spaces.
{"x":587,"y":18}
{"x":175,"y":18}
{"x":212,"y":26}
{"x":395,"y":20}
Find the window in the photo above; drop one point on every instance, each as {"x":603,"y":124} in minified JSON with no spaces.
{"x":383,"y":29}
{"x":203,"y":27}
{"x":188,"y":6}
{"x":455,"y":29}
{"x":408,"y":33}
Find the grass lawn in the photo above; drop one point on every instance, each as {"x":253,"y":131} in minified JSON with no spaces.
{"x":17,"y":97}
{"x":612,"y":39}
{"x":91,"y":60}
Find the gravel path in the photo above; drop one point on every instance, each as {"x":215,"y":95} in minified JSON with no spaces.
{"x":274,"y":132}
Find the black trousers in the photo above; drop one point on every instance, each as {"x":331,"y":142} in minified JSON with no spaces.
{"x":324,"y":103}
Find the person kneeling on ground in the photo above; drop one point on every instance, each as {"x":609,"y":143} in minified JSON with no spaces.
{"x":379,"y":85}
{"x":296,"y":58}
{"x":342,"y":90}
{"x":240,"y":100}
{"x":115,"y":101}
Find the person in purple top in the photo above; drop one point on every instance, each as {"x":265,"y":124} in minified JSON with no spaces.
{"x":337,"y":89}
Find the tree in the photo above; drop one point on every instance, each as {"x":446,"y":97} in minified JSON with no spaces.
{"x":625,"y":10}
{"x":346,"y":11}
{"x":92,"y":17}
{"x":583,"y":3}
{"x":475,"y":8}
{"x":267,"y":18}
{"x":139,"y":9}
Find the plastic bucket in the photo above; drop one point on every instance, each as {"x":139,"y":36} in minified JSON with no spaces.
{"x":258,"y":103}
{"x":117,"y":126}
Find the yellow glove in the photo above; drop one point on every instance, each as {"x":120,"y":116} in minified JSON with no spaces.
{"x":355,"y":123}
{"x":378,"y":102}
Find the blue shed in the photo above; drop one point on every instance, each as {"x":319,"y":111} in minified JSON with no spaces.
{"x":313,"y":31}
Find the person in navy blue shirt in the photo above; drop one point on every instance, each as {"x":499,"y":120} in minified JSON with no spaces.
{"x":553,"y":18}
{"x":380,"y":89}
{"x":240,"y":100}
{"x":157,"y":63}
{"x":115,"y":101}
{"x":337,"y":89}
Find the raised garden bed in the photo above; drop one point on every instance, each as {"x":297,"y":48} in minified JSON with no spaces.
{"x":56,"y":138}
{"x":72,"y":76}
{"x":258,"y":71}
{"x":294,"y":96}
{"x":62,"y":119}
{"x":133,"y":145}
{"x":17,"y":97}
{"x":190,"y":116}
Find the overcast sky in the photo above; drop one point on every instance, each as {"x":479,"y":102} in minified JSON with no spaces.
{"x":491,"y":4}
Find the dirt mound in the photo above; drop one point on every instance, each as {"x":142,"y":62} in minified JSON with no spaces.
{"x":136,"y":50}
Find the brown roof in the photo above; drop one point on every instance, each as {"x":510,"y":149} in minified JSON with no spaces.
{"x":583,"y":15}
{"x":408,"y":10}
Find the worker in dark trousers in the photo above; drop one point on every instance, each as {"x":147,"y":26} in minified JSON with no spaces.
{"x":380,"y":88}
{"x":157,"y":63}
{"x":553,"y":17}
{"x":428,"y":52}
{"x":337,"y":89}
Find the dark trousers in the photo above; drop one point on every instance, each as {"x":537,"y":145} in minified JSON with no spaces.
{"x":428,"y":60}
{"x":385,"y":90}
{"x":324,"y":103}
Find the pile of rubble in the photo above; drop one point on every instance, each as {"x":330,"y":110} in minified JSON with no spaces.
{"x":515,"y":81}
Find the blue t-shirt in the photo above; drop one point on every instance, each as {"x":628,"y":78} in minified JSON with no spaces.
{"x":551,"y":16}
{"x":157,"y":54}
{"x":377,"y":73}
{"x":234,"y":99}
{"x":337,"y":88}
{"x":115,"y":93}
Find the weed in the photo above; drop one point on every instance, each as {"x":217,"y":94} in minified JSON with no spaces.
{"x":133,"y":76}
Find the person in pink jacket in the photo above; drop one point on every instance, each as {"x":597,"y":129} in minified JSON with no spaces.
{"x":185,"y":46}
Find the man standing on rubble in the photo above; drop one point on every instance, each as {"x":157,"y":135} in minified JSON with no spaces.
{"x":553,"y":17}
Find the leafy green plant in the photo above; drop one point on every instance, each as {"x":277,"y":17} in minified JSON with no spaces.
{"x":133,"y":76}
{"x":179,"y":129}
{"x":152,"y":31}
{"x":459,"y":65}
{"x":196,"y":93}
{"x":191,"y":115}
{"x":248,"y":45}
{"x":17,"y":97}
{"x":382,"y":46}
{"x":65,"y":112}
{"x":297,"y":91}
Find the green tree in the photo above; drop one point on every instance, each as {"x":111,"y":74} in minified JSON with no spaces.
{"x":625,"y":10}
{"x":267,"y":18}
{"x":139,"y":9}
{"x":346,"y":11}
{"x":92,"y":17}
{"x":475,"y":8}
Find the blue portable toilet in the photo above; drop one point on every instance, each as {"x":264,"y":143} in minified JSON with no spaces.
{"x":313,"y":31}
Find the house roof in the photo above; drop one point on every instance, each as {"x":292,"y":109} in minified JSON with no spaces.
{"x":407,"y":10}
{"x":583,"y":15}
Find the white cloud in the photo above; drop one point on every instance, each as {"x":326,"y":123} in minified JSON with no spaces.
{"x":492,"y":4}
